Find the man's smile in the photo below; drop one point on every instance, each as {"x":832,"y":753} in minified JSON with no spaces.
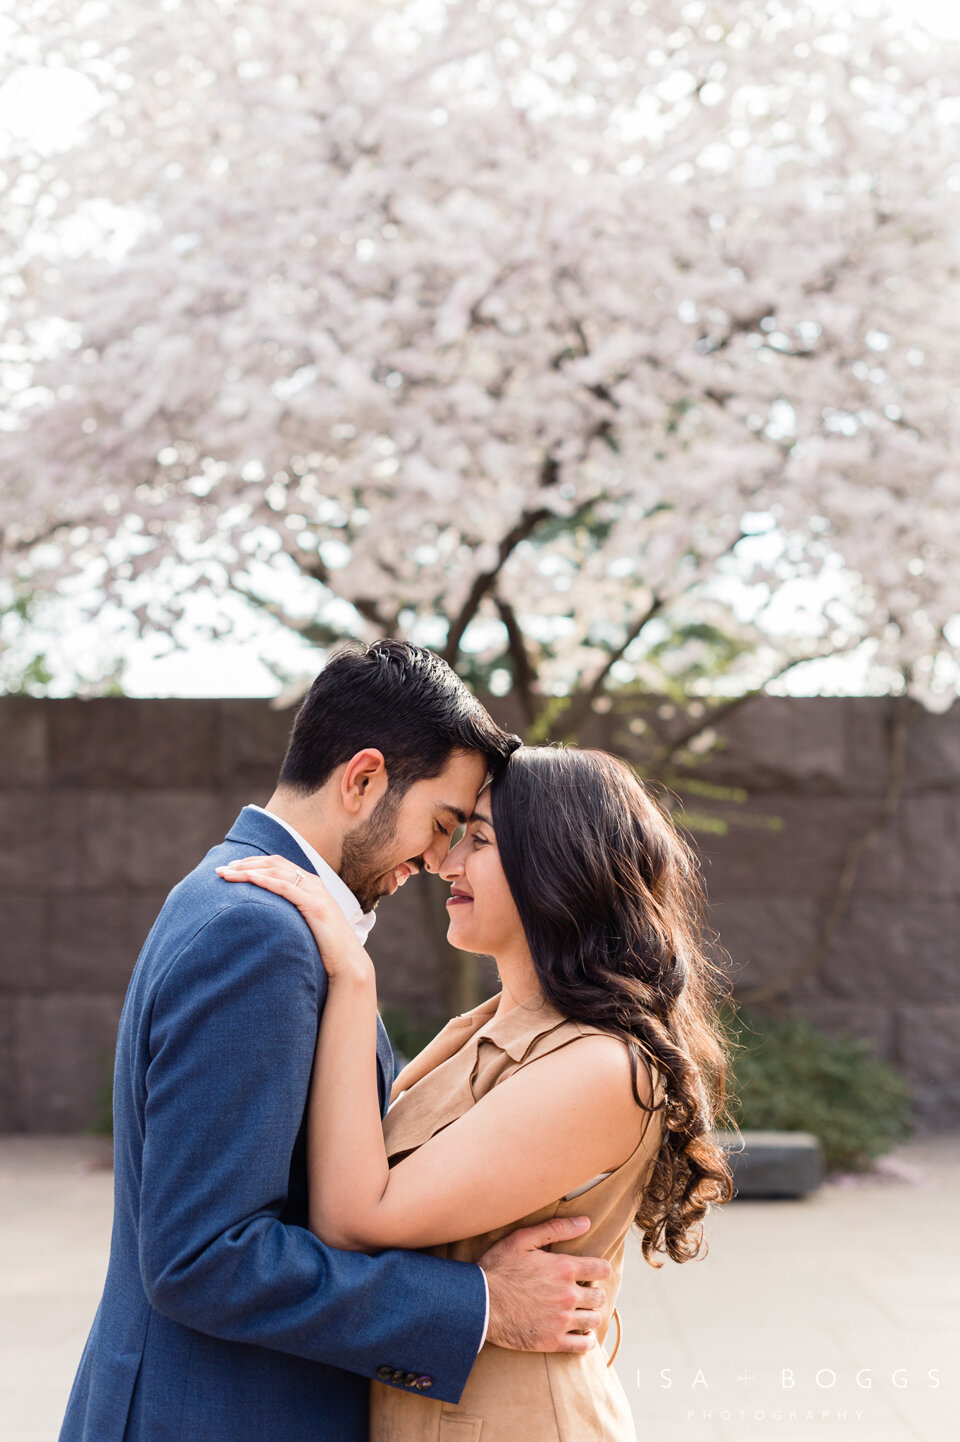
{"x":393,"y":880}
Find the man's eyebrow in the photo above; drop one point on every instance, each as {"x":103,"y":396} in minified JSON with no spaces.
{"x":454,"y":811}
{"x":479,"y":816}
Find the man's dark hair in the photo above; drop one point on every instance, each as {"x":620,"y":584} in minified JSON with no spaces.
{"x":401,"y":699}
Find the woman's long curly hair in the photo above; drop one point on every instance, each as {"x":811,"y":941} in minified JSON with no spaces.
{"x":611,"y":902}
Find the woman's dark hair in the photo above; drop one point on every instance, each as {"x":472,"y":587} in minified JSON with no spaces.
{"x":401,"y":699}
{"x":611,"y":901}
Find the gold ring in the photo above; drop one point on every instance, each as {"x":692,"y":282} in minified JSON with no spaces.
{"x":299,"y":878}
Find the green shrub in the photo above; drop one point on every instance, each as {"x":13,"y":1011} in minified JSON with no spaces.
{"x":408,"y":1034}
{"x":789,"y":1076}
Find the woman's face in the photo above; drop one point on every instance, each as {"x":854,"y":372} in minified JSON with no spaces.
{"x":483,"y":916}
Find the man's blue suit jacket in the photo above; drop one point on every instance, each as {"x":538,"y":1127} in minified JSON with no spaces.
{"x":222,"y":1318}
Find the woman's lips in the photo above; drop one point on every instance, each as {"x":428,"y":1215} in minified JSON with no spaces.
{"x":457,"y":899}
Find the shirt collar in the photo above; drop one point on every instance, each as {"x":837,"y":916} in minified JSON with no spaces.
{"x":361,"y":921}
{"x":516,"y":1030}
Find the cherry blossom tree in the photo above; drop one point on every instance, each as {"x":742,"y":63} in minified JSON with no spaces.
{"x":596,"y":345}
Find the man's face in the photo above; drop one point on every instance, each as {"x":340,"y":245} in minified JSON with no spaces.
{"x":404,"y":835}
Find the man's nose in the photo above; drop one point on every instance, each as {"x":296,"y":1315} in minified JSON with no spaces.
{"x":434,"y":858}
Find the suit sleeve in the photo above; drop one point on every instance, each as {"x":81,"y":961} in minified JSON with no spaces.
{"x":232,"y":1038}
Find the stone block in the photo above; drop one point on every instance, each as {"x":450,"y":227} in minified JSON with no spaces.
{"x":231,"y":802}
{"x":893,"y":949}
{"x":409,"y":949}
{"x":774,"y":1164}
{"x":65,"y":1049}
{"x":23,"y":741}
{"x":918,"y":854}
{"x":867,"y":722}
{"x":10,"y":1119}
{"x":116,"y":741}
{"x":252,"y":742}
{"x":764,"y":936}
{"x":95,"y":938}
{"x":933,"y":749}
{"x":25,"y":827}
{"x":928,"y":1052}
{"x":802,"y":858}
{"x":42,"y":841}
{"x":147,"y":839}
{"x":23,"y":941}
{"x":783,"y":743}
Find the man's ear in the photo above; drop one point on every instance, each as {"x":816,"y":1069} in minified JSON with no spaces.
{"x":364,"y":781}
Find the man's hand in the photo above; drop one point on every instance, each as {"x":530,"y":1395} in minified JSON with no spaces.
{"x":540,"y":1301}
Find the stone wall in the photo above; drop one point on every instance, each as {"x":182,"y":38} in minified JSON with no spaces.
{"x":104,"y":804}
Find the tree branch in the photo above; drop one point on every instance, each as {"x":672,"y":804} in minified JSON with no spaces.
{"x":483,"y":582}
{"x":524,"y":676}
{"x":581,"y":707}
{"x":725,"y":708}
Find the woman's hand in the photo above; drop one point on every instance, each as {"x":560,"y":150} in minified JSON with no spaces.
{"x":340,"y":948}
{"x":346,"y":1159}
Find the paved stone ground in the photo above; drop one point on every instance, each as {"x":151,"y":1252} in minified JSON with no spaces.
{"x":774,"y":1337}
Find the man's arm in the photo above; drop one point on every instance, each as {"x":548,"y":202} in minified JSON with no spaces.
{"x":231,"y":1048}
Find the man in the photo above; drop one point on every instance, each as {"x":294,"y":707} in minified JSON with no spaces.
{"x":223,"y":1319}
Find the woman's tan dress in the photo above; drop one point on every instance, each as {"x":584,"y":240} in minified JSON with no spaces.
{"x":515,"y":1396}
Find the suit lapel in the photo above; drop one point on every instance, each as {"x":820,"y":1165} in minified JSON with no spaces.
{"x":385,"y":1065}
{"x":257,"y":829}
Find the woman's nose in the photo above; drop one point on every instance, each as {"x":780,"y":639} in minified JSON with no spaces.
{"x":452,"y":864}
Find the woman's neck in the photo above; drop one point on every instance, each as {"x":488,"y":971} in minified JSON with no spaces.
{"x":518,"y":980}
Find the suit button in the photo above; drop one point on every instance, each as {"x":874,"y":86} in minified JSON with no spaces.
{"x":423,"y":1383}
{"x":385,"y":1373}
{"x":396,"y":1375}
{"x":410,"y":1379}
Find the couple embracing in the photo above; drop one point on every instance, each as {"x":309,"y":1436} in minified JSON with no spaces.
{"x":308,"y":1249}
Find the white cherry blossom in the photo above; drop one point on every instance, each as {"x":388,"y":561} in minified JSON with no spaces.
{"x":499,"y":317}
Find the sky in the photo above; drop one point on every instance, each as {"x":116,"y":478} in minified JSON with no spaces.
{"x":238,"y":664}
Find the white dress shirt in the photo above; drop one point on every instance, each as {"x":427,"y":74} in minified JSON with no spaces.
{"x":362,"y":923}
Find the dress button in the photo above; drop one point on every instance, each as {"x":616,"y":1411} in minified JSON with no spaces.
{"x":385,"y":1373}
{"x":423,"y":1383}
{"x":410,"y":1379}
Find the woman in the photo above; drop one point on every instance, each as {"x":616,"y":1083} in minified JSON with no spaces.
{"x":588,"y":1086}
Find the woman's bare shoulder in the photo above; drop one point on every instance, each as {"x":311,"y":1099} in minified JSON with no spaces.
{"x":598,"y":1069}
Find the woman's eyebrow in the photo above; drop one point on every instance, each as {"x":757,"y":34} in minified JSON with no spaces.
{"x":479,"y":816}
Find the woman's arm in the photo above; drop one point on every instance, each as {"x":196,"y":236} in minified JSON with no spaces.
{"x":552,"y":1126}
{"x":346,"y":1160}
{"x":543,"y":1132}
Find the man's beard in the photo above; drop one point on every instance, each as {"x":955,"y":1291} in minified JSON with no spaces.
{"x":365,"y":859}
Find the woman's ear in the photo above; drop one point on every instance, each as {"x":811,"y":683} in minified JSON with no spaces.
{"x":364,"y":781}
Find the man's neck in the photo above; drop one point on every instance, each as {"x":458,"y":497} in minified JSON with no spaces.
{"x":306,"y":815}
